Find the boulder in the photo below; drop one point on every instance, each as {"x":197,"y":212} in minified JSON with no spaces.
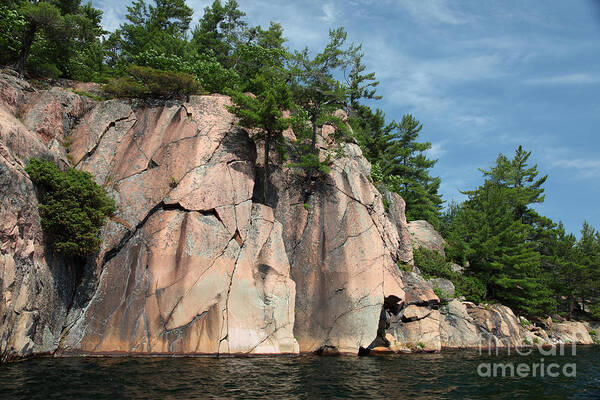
{"x":419,"y":334}
{"x":497,"y":325}
{"x":444,"y":286}
{"x":414,"y":313}
{"x":457,"y":329}
{"x":423,"y":234}
{"x":570,"y":332}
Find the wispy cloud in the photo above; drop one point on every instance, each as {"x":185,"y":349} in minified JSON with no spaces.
{"x":329,"y":12}
{"x":567,"y":79}
{"x":584,"y":167}
{"x":432,"y":11}
{"x":436,"y":150}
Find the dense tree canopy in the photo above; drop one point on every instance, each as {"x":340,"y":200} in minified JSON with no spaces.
{"x":525,"y":260}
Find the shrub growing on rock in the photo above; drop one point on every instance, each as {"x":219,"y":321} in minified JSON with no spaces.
{"x":148,"y":82}
{"x":72,"y":207}
{"x":433,"y":265}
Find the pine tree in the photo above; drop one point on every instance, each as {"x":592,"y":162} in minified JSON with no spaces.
{"x":360,"y":85}
{"x":264,"y":112}
{"x":318,"y":93}
{"x":220,"y":31}
{"x":407,"y":168}
{"x":486,"y":234}
{"x":564,"y":267}
{"x":588,"y":254}
{"x":161,"y":27}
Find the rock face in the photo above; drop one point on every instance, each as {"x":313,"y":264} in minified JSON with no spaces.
{"x":189,"y":264}
{"x":193,"y":262}
{"x":569,"y":332}
{"x":445,"y":287}
{"x":343,"y":251}
{"x":424,"y":235}
{"x":35,"y":287}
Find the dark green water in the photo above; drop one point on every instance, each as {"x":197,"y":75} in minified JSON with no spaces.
{"x":414,"y":376}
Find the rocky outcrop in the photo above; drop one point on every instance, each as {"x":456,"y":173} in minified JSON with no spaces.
{"x":423,"y":234}
{"x":343,"y":251}
{"x":445,"y":288}
{"x":457,"y":327}
{"x":36,"y":288}
{"x":569,"y":332}
{"x":194,"y":262}
{"x":189,"y":264}
{"x":396,"y":212}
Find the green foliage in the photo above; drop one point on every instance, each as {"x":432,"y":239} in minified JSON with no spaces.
{"x":264,"y":112}
{"x":525,"y":323}
{"x":307,"y":159}
{"x":360,"y":85}
{"x":318,"y":94}
{"x":399,"y":161}
{"x":517,"y":253}
{"x":220,"y":30}
{"x":173,"y":182}
{"x":440,"y":293}
{"x":72,"y":207}
{"x":211,"y":75}
{"x":161,"y":27}
{"x":88,"y":94}
{"x":52,"y":38}
{"x":12,"y":24}
{"x":307,"y":206}
{"x":147,"y":82}
{"x":433,"y":265}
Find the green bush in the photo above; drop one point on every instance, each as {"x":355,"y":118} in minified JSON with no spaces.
{"x":148,"y":82}
{"x":433,"y":265}
{"x":72,"y":207}
{"x":213,"y":77}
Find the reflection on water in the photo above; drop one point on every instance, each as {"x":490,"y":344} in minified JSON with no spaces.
{"x":412,"y":376}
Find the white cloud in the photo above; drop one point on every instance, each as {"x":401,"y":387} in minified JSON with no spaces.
{"x":566,"y":79}
{"x":584,"y":167}
{"x":436,"y":150}
{"x":560,"y":157}
{"x":432,"y":11}
{"x":329,"y":12}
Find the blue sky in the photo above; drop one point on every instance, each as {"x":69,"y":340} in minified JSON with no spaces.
{"x":482,"y":76}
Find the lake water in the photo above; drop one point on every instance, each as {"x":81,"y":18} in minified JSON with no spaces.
{"x":450,"y":374}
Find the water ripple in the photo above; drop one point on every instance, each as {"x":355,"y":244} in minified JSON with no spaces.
{"x":447,"y":375}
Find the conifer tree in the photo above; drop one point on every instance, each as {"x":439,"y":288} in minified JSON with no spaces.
{"x":588,"y":254}
{"x":264,"y":112}
{"x":360,"y":85}
{"x":220,"y":31}
{"x":486,"y":234}
{"x":161,"y":26}
{"x":318,"y":93}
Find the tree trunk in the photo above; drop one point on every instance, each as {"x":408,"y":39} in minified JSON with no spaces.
{"x":313,"y":120}
{"x":266,"y":167}
{"x":28,"y":38}
{"x":570,"y":308}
